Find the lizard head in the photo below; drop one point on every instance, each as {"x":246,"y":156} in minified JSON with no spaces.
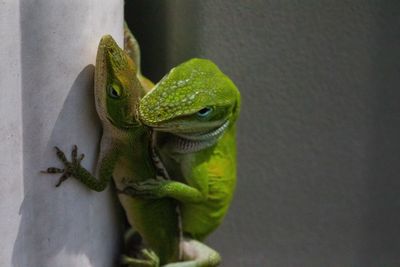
{"x":194,"y":97}
{"x":115,"y":85}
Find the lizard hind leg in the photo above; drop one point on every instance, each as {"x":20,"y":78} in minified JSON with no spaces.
{"x":196,"y":254}
{"x":135,"y":255}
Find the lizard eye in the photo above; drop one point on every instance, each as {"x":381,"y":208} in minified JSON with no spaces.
{"x":204,"y":112}
{"x":114,"y":91}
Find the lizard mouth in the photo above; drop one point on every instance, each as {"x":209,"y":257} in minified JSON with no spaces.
{"x":193,"y":142}
{"x":205,"y":135}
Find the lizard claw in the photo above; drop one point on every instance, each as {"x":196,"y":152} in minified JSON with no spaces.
{"x":148,"y":258}
{"x":69,"y":166}
{"x":151,"y":256}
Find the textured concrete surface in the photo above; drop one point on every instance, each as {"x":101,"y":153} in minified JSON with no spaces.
{"x":319,"y":150}
{"x":47,"y":52}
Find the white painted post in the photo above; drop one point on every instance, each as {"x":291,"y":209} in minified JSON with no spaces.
{"x":47,"y":52}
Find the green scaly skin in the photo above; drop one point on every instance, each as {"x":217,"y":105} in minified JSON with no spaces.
{"x":194,"y":253}
{"x":193,"y":110}
{"x":124,"y":157}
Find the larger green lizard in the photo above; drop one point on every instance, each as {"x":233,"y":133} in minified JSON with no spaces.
{"x":125,"y":155}
{"x":193,"y":111}
{"x":193,"y":253}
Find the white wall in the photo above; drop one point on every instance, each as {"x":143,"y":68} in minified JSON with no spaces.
{"x":47,"y":50}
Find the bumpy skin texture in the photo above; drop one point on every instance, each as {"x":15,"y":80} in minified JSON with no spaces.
{"x":188,"y":88}
{"x":125,"y":155}
{"x":193,"y":110}
{"x":174,"y":107}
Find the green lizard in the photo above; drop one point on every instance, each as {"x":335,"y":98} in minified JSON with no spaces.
{"x":193,"y":252}
{"x":193,"y":111}
{"x":125,"y":155}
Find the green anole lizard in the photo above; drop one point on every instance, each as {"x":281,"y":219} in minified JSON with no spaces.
{"x":193,"y":110}
{"x":194,"y":253}
{"x":125,"y":155}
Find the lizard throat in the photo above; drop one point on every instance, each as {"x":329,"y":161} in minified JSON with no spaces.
{"x":193,"y":142}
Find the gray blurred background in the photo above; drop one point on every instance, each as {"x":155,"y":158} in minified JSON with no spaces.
{"x":318,"y":141}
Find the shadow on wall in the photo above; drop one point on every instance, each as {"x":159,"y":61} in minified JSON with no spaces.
{"x":41,"y":215}
{"x":57,"y":215}
{"x":58,"y":222}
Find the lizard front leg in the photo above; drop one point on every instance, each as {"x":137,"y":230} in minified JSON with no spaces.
{"x":74,"y":169}
{"x":159,"y":188}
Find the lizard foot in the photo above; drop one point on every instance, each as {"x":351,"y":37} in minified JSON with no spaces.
{"x":69,"y":167}
{"x":148,"y":259}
